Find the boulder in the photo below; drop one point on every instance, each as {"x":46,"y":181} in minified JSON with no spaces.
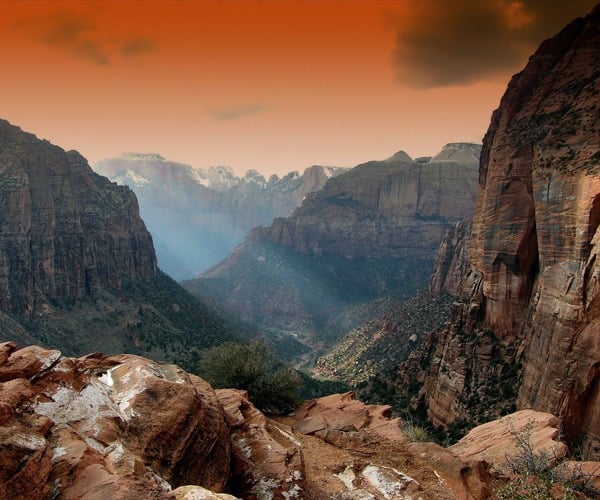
{"x":266,"y":460}
{"x":504,"y":441}
{"x":106,"y":427}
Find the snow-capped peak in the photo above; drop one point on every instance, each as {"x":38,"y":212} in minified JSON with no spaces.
{"x":132,"y":179}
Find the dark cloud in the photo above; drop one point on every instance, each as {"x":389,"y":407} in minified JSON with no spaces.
{"x":234,"y":113}
{"x":79,"y":36}
{"x":69,"y":32}
{"x":134,"y":47}
{"x":457,"y":42}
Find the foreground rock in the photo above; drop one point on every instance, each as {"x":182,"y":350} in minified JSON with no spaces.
{"x":375,"y":458}
{"x":267,"y":462}
{"x":105,"y":427}
{"x":339,"y":418}
{"x":503,"y":442}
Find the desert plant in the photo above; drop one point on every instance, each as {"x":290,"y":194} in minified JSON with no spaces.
{"x":272,"y":386}
{"x":538,"y":471}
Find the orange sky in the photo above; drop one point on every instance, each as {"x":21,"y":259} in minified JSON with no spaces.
{"x":270,"y":85}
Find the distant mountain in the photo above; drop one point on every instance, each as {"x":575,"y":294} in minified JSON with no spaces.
{"x":77,"y":264}
{"x":196,"y":216}
{"x":368,"y":234}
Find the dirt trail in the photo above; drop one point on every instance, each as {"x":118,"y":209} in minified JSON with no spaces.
{"x":327,"y":465}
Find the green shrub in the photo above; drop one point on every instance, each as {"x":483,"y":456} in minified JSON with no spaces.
{"x":272,"y":386}
{"x":539,"y":471}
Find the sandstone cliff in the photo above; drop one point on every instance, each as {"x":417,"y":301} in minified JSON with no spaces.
{"x":196,"y":216}
{"x":64,"y":229}
{"x":368,"y":234}
{"x":531,"y":298}
{"x":77,"y":265}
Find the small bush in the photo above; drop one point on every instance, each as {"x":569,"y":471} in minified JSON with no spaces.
{"x":540,"y":471}
{"x":272,"y":386}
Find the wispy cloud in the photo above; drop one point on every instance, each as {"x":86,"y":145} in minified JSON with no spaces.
{"x":235,"y":113}
{"x":138,"y":46}
{"x":78,"y":35}
{"x":457,"y":42}
{"x":70,"y":32}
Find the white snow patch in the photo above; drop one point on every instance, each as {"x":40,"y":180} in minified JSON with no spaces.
{"x":68,"y":405}
{"x":27,"y":441}
{"x":107,"y":379}
{"x":48,"y":360}
{"x":264,"y":488}
{"x":131,"y":178}
{"x":57,"y":452}
{"x":347,"y":477}
{"x":389,"y":482}
{"x":162,"y":482}
{"x":92,"y":443}
{"x":293,"y":492}
{"x":290,"y":437}
{"x":244,"y":447}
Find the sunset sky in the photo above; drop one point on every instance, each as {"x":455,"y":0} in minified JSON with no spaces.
{"x":270,"y":85}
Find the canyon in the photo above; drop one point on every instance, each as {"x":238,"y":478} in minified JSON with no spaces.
{"x":365,"y":241}
{"x":198,"y":216}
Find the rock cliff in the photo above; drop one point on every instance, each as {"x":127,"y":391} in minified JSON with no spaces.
{"x":77,"y":265}
{"x":64,"y":230}
{"x":368,"y":234}
{"x":531,"y":297}
{"x":196,"y":216}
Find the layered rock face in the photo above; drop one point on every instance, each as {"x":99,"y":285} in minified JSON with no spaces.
{"x":392,"y":208}
{"x":198,"y":216}
{"x":452,"y":264}
{"x":534,"y":275}
{"x":64,"y":229}
{"x":105,"y":427}
{"x":370,"y":233}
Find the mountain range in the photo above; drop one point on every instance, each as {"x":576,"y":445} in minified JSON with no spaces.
{"x":198,"y":216}
{"x":367,"y":239}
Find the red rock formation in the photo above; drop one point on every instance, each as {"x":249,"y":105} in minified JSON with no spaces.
{"x":534,"y":276}
{"x":266,"y":462}
{"x":110,"y":427}
{"x":452,"y":263}
{"x":498,"y":442}
{"x":64,"y":230}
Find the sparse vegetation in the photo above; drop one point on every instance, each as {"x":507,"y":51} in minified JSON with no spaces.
{"x":541,"y":473}
{"x":272,"y":386}
{"x":413,"y":430}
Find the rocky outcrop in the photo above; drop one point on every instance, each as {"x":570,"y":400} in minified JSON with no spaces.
{"x":369,"y":234}
{"x":266,"y":461}
{"x":452,"y":264}
{"x":126,"y":427}
{"x":64,"y":230}
{"x":339,"y":418}
{"x":532,"y":289}
{"x":504,"y":441}
{"x":118,"y":427}
{"x":224,"y":207}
